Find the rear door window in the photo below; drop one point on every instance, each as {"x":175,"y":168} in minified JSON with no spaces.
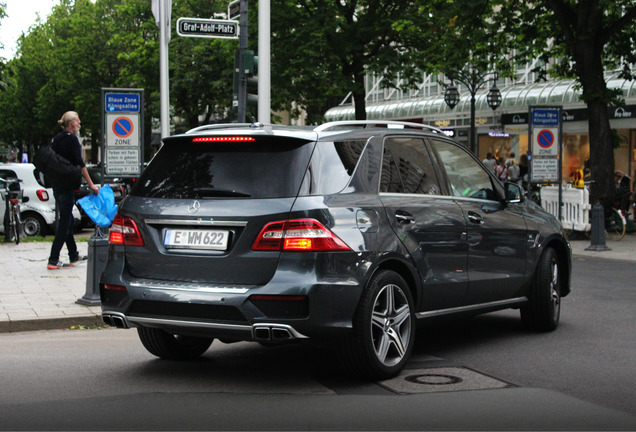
{"x":269,"y":167}
{"x":407,"y":168}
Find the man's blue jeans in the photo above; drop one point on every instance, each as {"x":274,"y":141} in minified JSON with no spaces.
{"x":64,"y":202}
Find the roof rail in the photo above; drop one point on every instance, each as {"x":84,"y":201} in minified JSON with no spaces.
{"x":366,"y":124}
{"x":219,"y":126}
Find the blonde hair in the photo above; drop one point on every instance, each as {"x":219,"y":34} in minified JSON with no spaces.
{"x":67,"y":118}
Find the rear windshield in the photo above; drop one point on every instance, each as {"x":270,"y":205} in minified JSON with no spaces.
{"x":270,"y":167}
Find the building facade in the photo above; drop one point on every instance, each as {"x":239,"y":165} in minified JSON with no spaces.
{"x":505,"y":130}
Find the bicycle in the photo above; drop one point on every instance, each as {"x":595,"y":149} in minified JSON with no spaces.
{"x":13,"y":199}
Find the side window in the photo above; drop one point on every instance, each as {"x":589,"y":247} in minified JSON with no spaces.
{"x":465,"y":176}
{"x":407,"y":168}
{"x":331,"y":167}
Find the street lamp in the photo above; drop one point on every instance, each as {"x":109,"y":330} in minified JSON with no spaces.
{"x":473,"y":81}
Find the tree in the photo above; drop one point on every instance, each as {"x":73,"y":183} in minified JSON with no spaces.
{"x":323,"y":49}
{"x":581,"y":39}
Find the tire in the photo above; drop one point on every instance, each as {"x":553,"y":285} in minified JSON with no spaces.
{"x":543,"y":310}
{"x":33,"y":225}
{"x":614,"y":225}
{"x":172,"y":347}
{"x":15,"y":225}
{"x":383,"y":331}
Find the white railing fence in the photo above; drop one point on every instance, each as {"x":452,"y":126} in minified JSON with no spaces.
{"x":575,"y":213}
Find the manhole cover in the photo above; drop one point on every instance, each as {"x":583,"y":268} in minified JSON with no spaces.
{"x":441,"y":380}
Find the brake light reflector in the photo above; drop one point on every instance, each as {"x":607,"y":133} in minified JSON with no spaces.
{"x":115,"y":287}
{"x":223,"y":139}
{"x":302,"y":235}
{"x":124,"y":231}
{"x":42,"y":195}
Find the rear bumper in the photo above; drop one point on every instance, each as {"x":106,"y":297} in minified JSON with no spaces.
{"x":266,"y":332}
{"x":291,"y":306}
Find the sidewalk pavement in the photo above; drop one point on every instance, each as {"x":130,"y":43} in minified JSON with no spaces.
{"x":34,"y":298}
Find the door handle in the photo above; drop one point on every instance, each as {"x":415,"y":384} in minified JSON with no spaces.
{"x":404,"y":218}
{"x":475,"y":218}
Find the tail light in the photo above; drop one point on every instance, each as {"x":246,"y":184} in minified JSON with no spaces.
{"x":302,"y":235}
{"x":42,"y":195}
{"x":124,"y":231}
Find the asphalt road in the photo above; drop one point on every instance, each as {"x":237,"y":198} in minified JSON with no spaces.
{"x":485,"y":373}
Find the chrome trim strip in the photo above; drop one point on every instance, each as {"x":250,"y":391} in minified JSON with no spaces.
{"x":204,"y":222}
{"x":197,"y":288}
{"x":180,"y":323}
{"x":475,"y":307}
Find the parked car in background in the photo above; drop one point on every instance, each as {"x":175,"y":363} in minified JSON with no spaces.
{"x":38,"y":202}
{"x":347,"y":233}
{"x":119,"y":188}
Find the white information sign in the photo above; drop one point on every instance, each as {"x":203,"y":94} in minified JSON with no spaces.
{"x":546,"y":169}
{"x":122,"y":160}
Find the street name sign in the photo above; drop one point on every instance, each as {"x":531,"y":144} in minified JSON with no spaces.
{"x":234,"y":9}
{"x":212,"y":28}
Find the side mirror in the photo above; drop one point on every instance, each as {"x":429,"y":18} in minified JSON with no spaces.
{"x":514,"y":192}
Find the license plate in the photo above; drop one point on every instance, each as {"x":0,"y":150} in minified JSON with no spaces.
{"x":196,"y":239}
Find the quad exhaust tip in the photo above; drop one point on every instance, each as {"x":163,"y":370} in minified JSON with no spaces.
{"x":275,"y":333}
{"x":115,"y":320}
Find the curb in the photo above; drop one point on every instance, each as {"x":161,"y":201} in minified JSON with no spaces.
{"x":50,"y":323}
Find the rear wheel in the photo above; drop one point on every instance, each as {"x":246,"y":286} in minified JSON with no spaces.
{"x":383,"y":328}
{"x":15,"y":224}
{"x":614,"y":225}
{"x":33,"y":225}
{"x":172,"y":347}
{"x":543,"y":310}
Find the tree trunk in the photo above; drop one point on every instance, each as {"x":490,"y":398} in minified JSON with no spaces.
{"x":590,"y":69}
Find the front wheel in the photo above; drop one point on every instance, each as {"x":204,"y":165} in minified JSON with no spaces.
{"x":543,"y":310}
{"x":383,"y":328}
{"x":172,"y":347}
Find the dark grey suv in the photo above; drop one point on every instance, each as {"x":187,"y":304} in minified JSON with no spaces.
{"x":347,"y":233}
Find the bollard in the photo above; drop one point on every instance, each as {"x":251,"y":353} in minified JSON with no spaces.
{"x":598,"y":229}
{"x":97,"y":257}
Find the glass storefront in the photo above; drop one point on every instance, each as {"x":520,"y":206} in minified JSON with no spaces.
{"x":576,"y":150}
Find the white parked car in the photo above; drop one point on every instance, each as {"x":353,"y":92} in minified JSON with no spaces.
{"x":38,"y":204}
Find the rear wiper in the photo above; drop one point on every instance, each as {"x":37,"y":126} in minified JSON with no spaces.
{"x":211,"y":192}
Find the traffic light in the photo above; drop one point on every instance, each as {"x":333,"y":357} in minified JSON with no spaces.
{"x":250,"y":66}
{"x":245,"y":80}
{"x":578,"y":179}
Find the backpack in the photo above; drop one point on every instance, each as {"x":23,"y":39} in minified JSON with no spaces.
{"x":58,"y":171}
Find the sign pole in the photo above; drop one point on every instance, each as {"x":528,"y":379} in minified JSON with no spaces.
{"x":242,"y":91}
{"x":264,"y":64}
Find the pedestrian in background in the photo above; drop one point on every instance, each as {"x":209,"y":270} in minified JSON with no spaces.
{"x":502,"y":170}
{"x":490,"y":162}
{"x":67,"y":145}
{"x":513,"y":171}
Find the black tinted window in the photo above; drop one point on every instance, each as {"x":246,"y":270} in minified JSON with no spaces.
{"x":266,"y":168}
{"x":407,"y":168}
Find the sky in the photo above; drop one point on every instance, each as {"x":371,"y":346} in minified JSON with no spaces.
{"x":20,"y":16}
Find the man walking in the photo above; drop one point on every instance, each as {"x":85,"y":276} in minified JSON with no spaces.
{"x":67,"y":145}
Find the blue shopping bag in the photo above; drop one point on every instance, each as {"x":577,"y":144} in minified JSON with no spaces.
{"x":101,"y":207}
